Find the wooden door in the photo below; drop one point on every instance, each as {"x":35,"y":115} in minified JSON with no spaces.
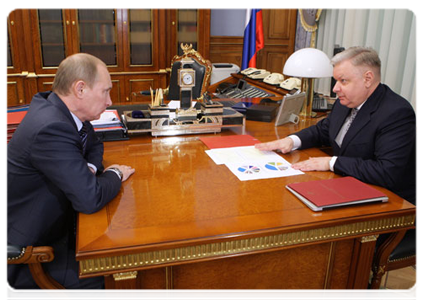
{"x":279,"y":38}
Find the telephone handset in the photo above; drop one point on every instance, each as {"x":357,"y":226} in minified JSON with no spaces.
{"x":248,"y":71}
{"x":291,"y":83}
{"x":258,"y":74}
{"x":274,"y":78}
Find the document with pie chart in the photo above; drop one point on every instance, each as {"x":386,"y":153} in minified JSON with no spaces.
{"x":249,"y":163}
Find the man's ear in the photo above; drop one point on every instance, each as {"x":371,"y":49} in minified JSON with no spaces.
{"x":369,"y":77}
{"x":78,"y":88}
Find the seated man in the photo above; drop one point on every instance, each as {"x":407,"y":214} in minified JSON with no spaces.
{"x":55,"y":169}
{"x":371,"y":129}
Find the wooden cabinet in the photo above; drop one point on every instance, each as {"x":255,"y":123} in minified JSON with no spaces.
{"x":15,"y":91}
{"x":15,"y":61}
{"x":132,"y":42}
{"x":188,"y":26}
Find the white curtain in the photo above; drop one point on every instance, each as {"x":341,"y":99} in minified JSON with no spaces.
{"x":391,"y":32}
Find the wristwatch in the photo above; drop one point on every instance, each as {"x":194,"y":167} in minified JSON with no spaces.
{"x":117,"y":171}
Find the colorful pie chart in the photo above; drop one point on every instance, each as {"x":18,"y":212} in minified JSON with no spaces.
{"x":249,"y":169}
{"x":276,"y":166}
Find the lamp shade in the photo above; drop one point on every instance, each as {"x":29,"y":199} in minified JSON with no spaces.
{"x":308,"y":63}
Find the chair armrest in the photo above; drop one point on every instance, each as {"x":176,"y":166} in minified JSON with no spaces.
{"x":14,"y":252}
{"x":34,"y":256}
{"x":29,"y":254}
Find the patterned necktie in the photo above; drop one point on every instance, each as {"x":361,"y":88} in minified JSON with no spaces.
{"x":340,"y":137}
{"x":83,"y":135}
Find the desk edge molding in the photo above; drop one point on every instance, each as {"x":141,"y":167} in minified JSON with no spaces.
{"x":108,"y":265}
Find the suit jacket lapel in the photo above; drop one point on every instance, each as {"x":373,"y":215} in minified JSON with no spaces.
{"x":360,"y":121}
{"x":363,"y":117}
{"x":337,"y":120}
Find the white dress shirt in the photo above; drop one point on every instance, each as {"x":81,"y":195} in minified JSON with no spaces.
{"x":297,"y":141}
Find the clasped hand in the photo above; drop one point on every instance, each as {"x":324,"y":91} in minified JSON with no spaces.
{"x":285,"y":145}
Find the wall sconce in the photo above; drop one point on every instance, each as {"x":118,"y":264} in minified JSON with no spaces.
{"x":308,"y":64}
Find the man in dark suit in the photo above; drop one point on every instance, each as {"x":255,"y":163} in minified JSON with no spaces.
{"x":371,"y":130}
{"x":55,"y":169}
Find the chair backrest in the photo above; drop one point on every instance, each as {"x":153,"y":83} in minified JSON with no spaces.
{"x":202,"y":67}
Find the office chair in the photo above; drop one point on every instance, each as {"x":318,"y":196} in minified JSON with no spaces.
{"x":202,"y":67}
{"x":34,"y":257}
{"x":400,"y":254}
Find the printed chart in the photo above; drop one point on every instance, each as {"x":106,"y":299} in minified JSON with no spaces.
{"x":249,"y":169}
{"x":276,"y":166}
{"x":249,"y":163}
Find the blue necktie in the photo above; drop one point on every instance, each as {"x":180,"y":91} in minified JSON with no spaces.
{"x":83,"y":135}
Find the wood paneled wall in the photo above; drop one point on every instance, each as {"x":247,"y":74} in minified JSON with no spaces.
{"x":279,"y":41}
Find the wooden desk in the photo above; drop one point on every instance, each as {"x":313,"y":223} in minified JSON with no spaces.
{"x":183,"y":222}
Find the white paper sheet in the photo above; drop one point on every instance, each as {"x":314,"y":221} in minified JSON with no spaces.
{"x":108,"y":117}
{"x":175,"y":104}
{"x":249,"y":163}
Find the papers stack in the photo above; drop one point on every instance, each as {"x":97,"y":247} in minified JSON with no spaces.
{"x":14,"y":118}
{"x":245,"y":161}
{"x":109,"y":126}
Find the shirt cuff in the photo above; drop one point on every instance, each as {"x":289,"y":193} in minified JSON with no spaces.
{"x":114,"y":171}
{"x":296,"y":140}
{"x":90,"y":165}
{"x":332,"y":162}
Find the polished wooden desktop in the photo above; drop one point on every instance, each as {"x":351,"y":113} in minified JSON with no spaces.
{"x":183,"y":222}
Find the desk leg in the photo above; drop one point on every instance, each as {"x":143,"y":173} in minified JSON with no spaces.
{"x":127,"y":280}
{"x":363,"y":252}
{"x":156,"y":278}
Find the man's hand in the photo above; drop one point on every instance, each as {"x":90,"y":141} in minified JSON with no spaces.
{"x":313,"y":164}
{"x":126,"y":170}
{"x":284,"y":145}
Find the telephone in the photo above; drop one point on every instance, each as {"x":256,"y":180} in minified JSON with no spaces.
{"x":240,"y":90}
{"x":225,"y":87}
{"x":291,"y":83}
{"x":258,"y":74}
{"x":274,"y":78}
{"x":320,"y":103}
{"x":248,"y":71}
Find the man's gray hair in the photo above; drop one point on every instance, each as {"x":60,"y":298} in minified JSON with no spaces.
{"x":359,"y":56}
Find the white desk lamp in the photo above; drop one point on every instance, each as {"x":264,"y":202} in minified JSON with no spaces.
{"x":308,"y":63}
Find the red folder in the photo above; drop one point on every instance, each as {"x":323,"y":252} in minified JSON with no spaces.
{"x":16,"y":117}
{"x":229,"y":141}
{"x":322,"y":194}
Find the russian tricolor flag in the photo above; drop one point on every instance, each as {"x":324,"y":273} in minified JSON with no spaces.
{"x":253,"y":38}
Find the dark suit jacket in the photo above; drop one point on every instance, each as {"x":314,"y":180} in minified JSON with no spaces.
{"x":379,"y":147}
{"x":49,"y":181}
